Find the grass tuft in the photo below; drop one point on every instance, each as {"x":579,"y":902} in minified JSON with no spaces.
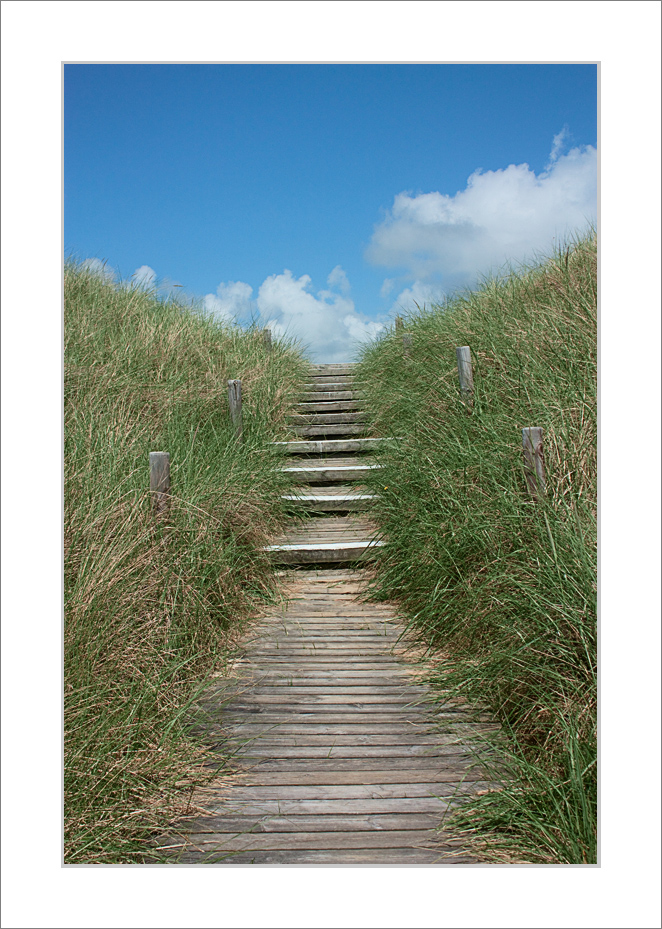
{"x":151,"y":608}
{"x":503,"y":583}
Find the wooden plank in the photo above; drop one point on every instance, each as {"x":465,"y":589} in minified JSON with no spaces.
{"x":341,"y":856}
{"x":322,"y":370}
{"x":281,"y":793}
{"x":457,"y":769}
{"x":286,"y":727}
{"x":328,"y":406}
{"x":302,"y":553}
{"x":327,"y":394}
{"x":314,"y":840}
{"x":314,"y":534}
{"x":274,"y":740}
{"x":327,"y":778}
{"x":315,"y":419}
{"x":258,"y":749}
{"x":312,"y":474}
{"x":320,"y":809}
{"x":330,"y":429}
{"x":329,"y":446}
{"x":245,"y":823}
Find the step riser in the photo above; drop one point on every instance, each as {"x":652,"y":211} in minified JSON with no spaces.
{"x":317,"y":476}
{"x":303,"y":556}
{"x":328,"y":395}
{"x":330,"y":370}
{"x":328,"y":446}
{"x":323,"y":407}
{"x":347,"y":384}
{"x":329,"y":429}
{"x":316,"y":419}
{"x":332,"y":506}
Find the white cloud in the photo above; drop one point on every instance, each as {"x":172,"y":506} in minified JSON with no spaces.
{"x":229,"y":301}
{"x":99,"y":269}
{"x":420,"y":294}
{"x":387,"y":287}
{"x":557,"y":146}
{"x":338,"y":279}
{"x":505,"y":215}
{"x":144,"y":276}
{"x":326,"y":322}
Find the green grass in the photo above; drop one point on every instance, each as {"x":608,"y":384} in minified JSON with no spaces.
{"x":504,"y":584}
{"x":152,"y":607}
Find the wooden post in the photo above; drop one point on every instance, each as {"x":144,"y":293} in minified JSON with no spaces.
{"x":234,"y":399}
{"x":159,"y":482}
{"x":465,"y":373}
{"x":266,"y":338}
{"x":533,"y":461}
{"x":399,"y":325}
{"x":406,"y":343}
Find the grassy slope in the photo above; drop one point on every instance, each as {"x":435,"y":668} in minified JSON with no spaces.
{"x":150,"y":609}
{"x":505,"y":585}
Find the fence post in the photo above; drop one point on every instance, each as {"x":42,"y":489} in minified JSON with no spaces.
{"x":266,"y":338}
{"x":159,"y":482}
{"x":399,"y":325}
{"x":234,"y":399}
{"x":465,"y":372}
{"x":534,"y":468}
{"x":406,"y":343}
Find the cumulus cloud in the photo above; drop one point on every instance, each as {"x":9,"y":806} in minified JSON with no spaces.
{"x":229,"y":301}
{"x":419,"y":294}
{"x":557,"y":147}
{"x":339,"y":279}
{"x":144,"y":276}
{"x":505,"y":215}
{"x":326,"y":321}
{"x":99,"y":269}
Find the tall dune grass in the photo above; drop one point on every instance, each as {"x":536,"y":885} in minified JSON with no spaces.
{"x":504,"y":584}
{"x":151,"y":607}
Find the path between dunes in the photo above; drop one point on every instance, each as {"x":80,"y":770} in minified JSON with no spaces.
{"x":342,"y":756}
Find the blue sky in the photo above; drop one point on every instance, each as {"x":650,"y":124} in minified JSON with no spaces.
{"x":321,"y":199}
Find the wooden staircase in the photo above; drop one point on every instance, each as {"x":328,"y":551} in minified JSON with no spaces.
{"x":343,"y":756}
{"x":330,"y":461}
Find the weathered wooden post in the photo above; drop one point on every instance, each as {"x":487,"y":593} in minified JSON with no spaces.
{"x":266,"y":338}
{"x":465,"y":373}
{"x":159,"y":483}
{"x":534,"y":468}
{"x":234,"y":399}
{"x":399,"y":325}
{"x":406,"y":343}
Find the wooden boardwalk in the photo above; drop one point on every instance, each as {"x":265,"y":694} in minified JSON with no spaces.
{"x":342,"y":756}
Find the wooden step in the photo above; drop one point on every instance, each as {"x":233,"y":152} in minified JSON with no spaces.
{"x":333,"y":379}
{"x":330,"y":429}
{"x":326,"y":370}
{"x":316,"y":419}
{"x":330,"y":529}
{"x":339,"y":500}
{"x":324,"y":462}
{"x":330,"y":407}
{"x":335,"y":392}
{"x":321,"y":552}
{"x":329,"y":446}
{"x":323,"y":473}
